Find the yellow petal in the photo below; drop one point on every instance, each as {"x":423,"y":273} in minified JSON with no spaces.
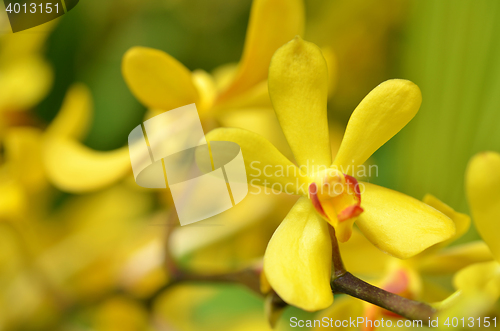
{"x":73,"y":119}
{"x":399,"y":224}
{"x":157,"y":79}
{"x":265,"y":165}
{"x":298,"y":86}
{"x":381,"y":114}
{"x":272,"y":23}
{"x":483,"y":193}
{"x":462,"y":221}
{"x":75,"y":168}
{"x":455,"y":258}
{"x":297,"y":262}
{"x":480,"y":277}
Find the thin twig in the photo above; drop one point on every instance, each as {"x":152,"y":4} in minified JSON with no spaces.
{"x":344,"y":282}
{"x":355,"y":287}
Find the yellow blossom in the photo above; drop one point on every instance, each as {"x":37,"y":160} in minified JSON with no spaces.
{"x":161,"y":83}
{"x":297,"y":259}
{"x":483,"y":193}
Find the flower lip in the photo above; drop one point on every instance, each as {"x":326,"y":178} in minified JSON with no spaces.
{"x":346,"y":204}
{"x":353,"y":210}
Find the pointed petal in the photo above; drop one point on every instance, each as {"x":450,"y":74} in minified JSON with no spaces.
{"x":297,"y":262}
{"x":399,"y":224}
{"x":265,"y":165}
{"x":72,"y":167}
{"x":157,"y":79}
{"x":74,"y":117}
{"x":381,"y":114}
{"x":298,"y":86}
{"x":483,"y":193}
{"x":272,"y":23}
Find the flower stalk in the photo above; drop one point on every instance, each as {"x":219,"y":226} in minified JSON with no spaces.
{"x":355,"y":287}
{"x":344,"y":282}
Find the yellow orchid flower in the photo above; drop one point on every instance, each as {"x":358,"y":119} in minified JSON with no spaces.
{"x":483,"y":193}
{"x":297,"y":261}
{"x":162,"y":83}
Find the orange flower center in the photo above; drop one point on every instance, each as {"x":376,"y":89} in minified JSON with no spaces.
{"x":336,"y":196}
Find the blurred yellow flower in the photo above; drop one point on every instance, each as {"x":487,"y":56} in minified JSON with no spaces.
{"x":162,"y":83}
{"x":298,"y":257}
{"x":39,"y":245}
{"x":25,"y":76}
{"x":483,"y":193}
{"x":23,"y":174}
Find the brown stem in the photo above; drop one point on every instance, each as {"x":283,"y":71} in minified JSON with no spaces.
{"x":344,"y":282}
{"x":410,"y":309}
{"x":338,"y":265}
